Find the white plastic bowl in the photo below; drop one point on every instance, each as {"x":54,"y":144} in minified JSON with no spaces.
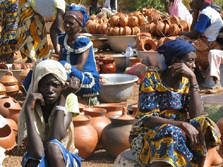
{"x":151,"y":58}
{"x":118,"y":89}
{"x":120,"y":61}
{"x":120,"y":43}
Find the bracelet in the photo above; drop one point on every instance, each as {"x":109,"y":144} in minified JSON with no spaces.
{"x":193,"y":91}
{"x":62,"y":108}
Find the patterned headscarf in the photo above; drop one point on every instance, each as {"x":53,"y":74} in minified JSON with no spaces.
{"x":79,"y":12}
{"x":175,"y":48}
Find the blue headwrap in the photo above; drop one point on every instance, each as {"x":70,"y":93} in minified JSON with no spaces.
{"x":175,"y":48}
{"x":79,"y":9}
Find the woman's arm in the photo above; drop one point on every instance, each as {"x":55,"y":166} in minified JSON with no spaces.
{"x":81,"y":60}
{"x":56,"y":28}
{"x":34,"y":143}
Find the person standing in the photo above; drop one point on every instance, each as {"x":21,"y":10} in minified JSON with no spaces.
{"x":9,"y":19}
{"x":31,"y":34}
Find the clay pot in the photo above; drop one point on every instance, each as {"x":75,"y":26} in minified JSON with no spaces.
{"x":212,"y":158}
{"x":7,"y":137}
{"x":123,"y":21}
{"x":86,"y":137}
{"x":10,"y":83}
{"x":6,"y":103}
{"x":14,"y":114}
{"x":2,"y":90}
{"x":134,"y":109}
{"x":134,"y":60}
{"x":135,"y":30}
{"x":149,"y":45}
{"x":13,"y":125}
{"x":111,"y":108}
{"x":3,"y":66}
{"x":115,"y":31}
{"x":98,"y":121}
{"x":102,"y":28}
{"x":108,"y":65}
{"x":114,"y":20}
{"x":115,"y":136}
{"x":127,"y":30}
{"x":133,"y":21}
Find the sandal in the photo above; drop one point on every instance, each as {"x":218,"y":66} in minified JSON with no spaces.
{"x":216,"y":88}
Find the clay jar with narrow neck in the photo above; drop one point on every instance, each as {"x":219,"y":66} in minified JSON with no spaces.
{"x":108,"y":65}
{"x":115,"y":136}
{"x":86,"y":137}
{"x":112,"y":108}
{"x":10,"y":83}
{"x":98,"y":121}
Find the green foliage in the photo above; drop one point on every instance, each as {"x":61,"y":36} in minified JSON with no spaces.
{"x":139,"y":4}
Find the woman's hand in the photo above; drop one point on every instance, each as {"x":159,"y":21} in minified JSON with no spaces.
{"x":74,"y":85}
{"x":181,"y":69}
{"x":192,"y":133}
{"x":33,"y":98}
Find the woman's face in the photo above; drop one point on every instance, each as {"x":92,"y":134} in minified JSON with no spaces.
{"x":50,"y":88}
{"x":189,"y":60}
{"x":197,"y":4}
{"x":71,"y":25}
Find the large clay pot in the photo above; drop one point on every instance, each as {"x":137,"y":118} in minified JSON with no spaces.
{"x":7,"y":137}
{"x":13,"y":125}
{"x":10,"y":83}
{"x":6,"y":103}
{"x":86,"y":137}
{"x":212,"y":158}
{"x":14,"y":114}
{"x":98,"y":120}
{"x":108,"y":65}
{"x":111,"y":108}
{"x":115,"y":136}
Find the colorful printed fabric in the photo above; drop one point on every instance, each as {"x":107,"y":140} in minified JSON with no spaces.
{"x":166,"y":143}
{"x":71,"y":160}
{"x":9,"y":18}
{"x":31,"y":34}
{"x":89,"y":76}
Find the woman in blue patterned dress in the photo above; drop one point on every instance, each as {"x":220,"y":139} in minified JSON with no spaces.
{"x":171,"y":129}
{"x":77,"y":55}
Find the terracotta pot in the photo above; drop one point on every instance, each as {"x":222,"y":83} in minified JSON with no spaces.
{"x":14,"y":114}
{"x":127,"y":30}
{"x":3,"y":66}
{"x":98,"y":121}
{"x":7,"y":137}
{"x":6,"y":103}
{"x":212,"y":158}
{"x":12,"y":90}
{"x":134,"y":109}
{"x":112,"y":108}
{"x":8,"y":79}
{"x":2,"y":90}
{"x":114,"y":20}
{"x":13,"y":125}
{"x":115,"y":136}
{"x":108,"y":65}
{"x":86,"y":137}
{"x":123,"y":21}
{"x":134,"y":60}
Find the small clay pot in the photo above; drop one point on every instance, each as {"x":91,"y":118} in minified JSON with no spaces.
{"x":13,"y":125}
{"x":12,"y":90}
{"x":134,"y":60}
{"x":7,"y":137}
{"x":108,"y":65}
{"x":8,"y":79}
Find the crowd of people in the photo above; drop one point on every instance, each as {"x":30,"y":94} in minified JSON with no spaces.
{"x":171,"y":127}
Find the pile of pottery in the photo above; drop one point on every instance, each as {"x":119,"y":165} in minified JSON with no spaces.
{"x":105,"y":126}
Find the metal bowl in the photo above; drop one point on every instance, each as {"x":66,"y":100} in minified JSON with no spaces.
{"x":120,"y":43}
{"x":152,"y":58}
{"x":118,"y":89}
{"x":120,"y":61}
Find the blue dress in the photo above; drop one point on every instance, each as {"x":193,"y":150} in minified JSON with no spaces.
{"x":89,"y":76}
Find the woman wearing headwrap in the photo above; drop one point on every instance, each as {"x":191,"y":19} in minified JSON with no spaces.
{"x":177,"y":8}
{"x":170,"y":128}
{"x":31,"y":34}
{"x":45,"y":120}
{"x":77,"y":55}
{"x":207,"y":23}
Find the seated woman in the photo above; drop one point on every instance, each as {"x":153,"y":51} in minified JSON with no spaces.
{"x":46,"y":118}
{"x":177,"y":8}
{"x":77,"y":55}
{"x":170,"y":128}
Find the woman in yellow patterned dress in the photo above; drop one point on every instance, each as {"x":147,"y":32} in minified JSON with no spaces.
{"x":171,"y":129}
{"x":9,"y":19}
{"x":31,"y":35}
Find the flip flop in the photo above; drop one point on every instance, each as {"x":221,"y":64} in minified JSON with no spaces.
{"x":216,"y":88}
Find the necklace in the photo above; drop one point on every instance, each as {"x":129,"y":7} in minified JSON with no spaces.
{"x":68,"y":48}
{"x":160,"y":81}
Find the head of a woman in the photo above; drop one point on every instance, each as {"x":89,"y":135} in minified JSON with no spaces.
{"x":49,"y":79}
{"x":75,"y":18}
{"x":178,"y":50}
{"x":200,"y":4}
